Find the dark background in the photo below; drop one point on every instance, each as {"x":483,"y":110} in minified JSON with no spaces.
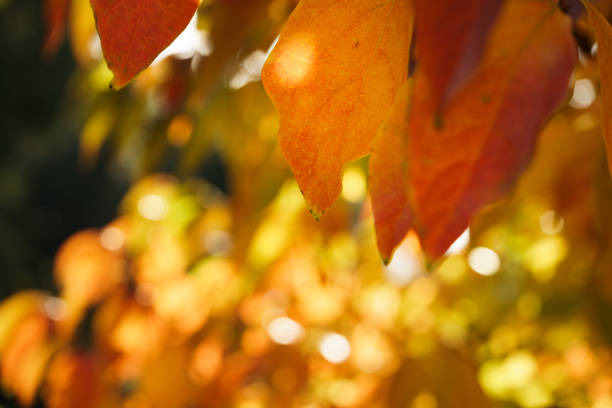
{"x":45,"y":195}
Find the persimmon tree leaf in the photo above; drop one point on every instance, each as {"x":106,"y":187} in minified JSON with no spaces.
{"x":56,"y":15}
{"x":389,"y":173}
{"x":134,"y":32}
{"x":603,"y":31}
{"x":450,"y":39}
{"x":458,"y":163}
{"x":333,"y":76}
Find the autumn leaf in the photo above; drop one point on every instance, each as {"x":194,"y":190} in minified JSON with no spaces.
{"x":450,"y":39}
{"x":134,"y":32}
{"x":456,"y":164}
{"x":333,"y":75}
{"x":73,"y":380}
{"x":56,"y":14}
{"x":389,"y":172}
{"x":603,"y":31}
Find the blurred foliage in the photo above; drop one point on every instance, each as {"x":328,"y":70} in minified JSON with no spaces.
{"x":156,"y":251}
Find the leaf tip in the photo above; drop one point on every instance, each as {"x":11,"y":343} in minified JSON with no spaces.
{"x":117,"y":85}
{"x":316,"y":212}
{"x":432,"y":264}
{"x":385,"y":259}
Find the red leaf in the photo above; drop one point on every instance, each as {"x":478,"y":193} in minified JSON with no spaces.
{"x":56,"y":14}
{"x":469,"y":158}
{"x":134,"y":32}
{"x":450,"y":40}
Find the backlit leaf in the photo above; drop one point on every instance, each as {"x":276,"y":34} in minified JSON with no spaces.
{"x":450,"y":39}
{"x":603,"y":32}
{"x":56,"y":13}
{"x":333,"y":75}
{"x":471,"y":156}
{"x":134,"y":32}
{"x":389,"y":172}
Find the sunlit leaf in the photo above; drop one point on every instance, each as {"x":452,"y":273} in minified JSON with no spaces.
{"x":333,"y":75}
{"x":471,"y":155}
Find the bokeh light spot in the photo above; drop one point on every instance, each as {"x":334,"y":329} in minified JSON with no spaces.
{"x":584,"y":94}
{"x":551,"y":223}
{"x":112,"y":238}
{"x":484,"y":261}
{"x":335,"y":348}
{"x":284,"y":330}
{"x":180,"y":130}
{"x":405,"y":266}
{"x":353,"y":185}
{"x":55,"y":308}
{"x":153,"y":207}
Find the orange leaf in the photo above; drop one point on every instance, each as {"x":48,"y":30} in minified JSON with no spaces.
{"x":56,"y":14}
{"x":333,"y":75}
{"x":603,"y":31}
{"x":457,"y":164}
{"x":73,"y":379}
{"x":450,"y":40}
{"x":134,"y":32}
{"x":389,"y":172}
